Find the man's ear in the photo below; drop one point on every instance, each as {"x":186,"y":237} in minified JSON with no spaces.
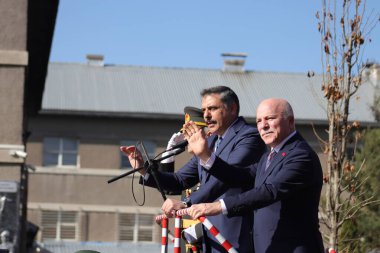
{"x":234,"y":108}
{"x":291,"y":121}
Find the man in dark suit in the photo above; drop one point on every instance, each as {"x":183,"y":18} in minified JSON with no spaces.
{"x":286,"y":192}
{"x":239,"y":145}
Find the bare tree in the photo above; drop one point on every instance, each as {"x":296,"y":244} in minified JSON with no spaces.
{"x":344,"y":34}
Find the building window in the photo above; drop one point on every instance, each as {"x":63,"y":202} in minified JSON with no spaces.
{"x":150,"y":147}
{"x":59,"y":225}
{"x":60,"y":152}
{"x":136,"y":227}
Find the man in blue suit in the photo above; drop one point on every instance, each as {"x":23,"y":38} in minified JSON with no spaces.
{"x":239,"y":145}
{"x":287,"y":184}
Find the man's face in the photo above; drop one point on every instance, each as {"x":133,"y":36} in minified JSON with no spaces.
{"x":216,"y":114}
{"x":272,"y":125}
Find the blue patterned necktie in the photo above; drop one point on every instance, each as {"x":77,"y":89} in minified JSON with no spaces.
{"x":217,"y":143}
{"x":270,"y":157}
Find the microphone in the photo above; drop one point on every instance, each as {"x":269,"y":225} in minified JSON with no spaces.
{"x":181,"y":144}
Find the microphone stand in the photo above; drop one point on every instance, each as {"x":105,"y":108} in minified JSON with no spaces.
{"x":151,"y":166}
{"x":125,"y":174}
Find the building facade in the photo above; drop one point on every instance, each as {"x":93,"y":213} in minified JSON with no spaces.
{"x":25,"y":40}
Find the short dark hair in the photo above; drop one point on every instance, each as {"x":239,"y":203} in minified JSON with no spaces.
{"x":227,"y":95}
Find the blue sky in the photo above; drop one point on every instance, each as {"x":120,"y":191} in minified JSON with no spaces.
{"x":277,"y":35}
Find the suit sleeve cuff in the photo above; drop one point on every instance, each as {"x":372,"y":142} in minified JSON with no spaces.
{"x":223,"y":206}
{"x":208,"y":164}
{"x":145,"y":177}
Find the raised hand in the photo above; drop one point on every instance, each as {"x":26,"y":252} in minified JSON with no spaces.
{"x":197,"y":139}
{"x":134,"y":156}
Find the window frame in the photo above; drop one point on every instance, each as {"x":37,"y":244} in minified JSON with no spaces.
{"x":59,"y":225}
{"x":60,"y":152}
{"x":136,"y":228}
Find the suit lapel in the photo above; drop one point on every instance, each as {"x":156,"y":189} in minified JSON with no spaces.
{"x":275,"y":160}
{"x":282,"y":153}
{"x":235,"y":128}
{"x":204,"y":175}
{"x":230,"y":135}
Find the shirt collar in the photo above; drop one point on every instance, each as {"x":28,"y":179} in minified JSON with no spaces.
{"x":279,"y":146}
{"x":225,"y":133}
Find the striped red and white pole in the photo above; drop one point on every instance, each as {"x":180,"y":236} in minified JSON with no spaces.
{"x":164,"y":236}
{"x":177,"y":234}
{"x":159,"y":219}
{"x":213,"y":230}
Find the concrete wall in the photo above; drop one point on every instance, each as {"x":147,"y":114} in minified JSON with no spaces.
{"x":13,"y":63}
{"x":13,"y":60}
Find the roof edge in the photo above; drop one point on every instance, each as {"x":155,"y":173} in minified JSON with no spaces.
{"x":111,"y":114}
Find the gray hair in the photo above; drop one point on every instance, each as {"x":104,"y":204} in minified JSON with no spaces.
{"x":288,"y":110}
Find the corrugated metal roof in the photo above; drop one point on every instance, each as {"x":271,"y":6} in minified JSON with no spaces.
{"x":129,"y":90}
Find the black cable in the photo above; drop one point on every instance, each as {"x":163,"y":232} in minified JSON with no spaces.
{"x":159,"y":154}
{"x":133,"y":179}
{"x":148,"y":165}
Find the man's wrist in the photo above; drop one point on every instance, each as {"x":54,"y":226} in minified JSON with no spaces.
{"x":209,"y":163}
{"x":205,"y":156}
{"x":223,"y":206}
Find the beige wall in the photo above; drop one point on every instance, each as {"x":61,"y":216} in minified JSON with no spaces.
{"x":91,"y":152}
{"x":11,"y":111}
{"x":102,"y":227}
{"x":88,"y":189}
{"x":13,"y":60}
{"x":12,"y":41}
{"x":13,"y":20}
{"x":9,"y":173}
{"x":35,"y":151}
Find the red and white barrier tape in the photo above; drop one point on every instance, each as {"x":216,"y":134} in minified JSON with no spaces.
{"x":160,"y":217}
{"x":213,"y":230}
